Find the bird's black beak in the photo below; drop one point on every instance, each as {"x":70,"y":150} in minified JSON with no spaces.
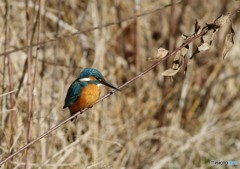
{"x":104,"y":82}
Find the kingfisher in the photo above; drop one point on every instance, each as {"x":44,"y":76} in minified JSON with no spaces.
{"x":85,"y":90}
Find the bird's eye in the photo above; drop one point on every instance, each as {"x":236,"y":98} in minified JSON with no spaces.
{"x":99,"y":79}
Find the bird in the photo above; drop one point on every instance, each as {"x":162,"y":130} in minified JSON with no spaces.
{"x":85,"y":90}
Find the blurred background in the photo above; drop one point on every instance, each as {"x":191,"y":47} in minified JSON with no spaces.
{"x":155,"y":122}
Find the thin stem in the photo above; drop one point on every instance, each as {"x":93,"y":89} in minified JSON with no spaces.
{"x":29,"y":83}
{"x":9,"y":64}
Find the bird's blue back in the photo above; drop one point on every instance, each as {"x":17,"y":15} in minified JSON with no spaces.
{"x":74,"y":92}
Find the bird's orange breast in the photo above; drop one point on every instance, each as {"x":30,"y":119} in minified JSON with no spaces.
{"x":89,"y":95}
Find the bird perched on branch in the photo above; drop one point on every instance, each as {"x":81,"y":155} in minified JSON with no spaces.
{"x":85,"y":90}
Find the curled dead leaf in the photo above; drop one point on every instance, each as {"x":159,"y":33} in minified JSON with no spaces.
{"x":177,"y":61}
{"x":222,"y":20}
{"x":185,"y":37}
{"x":208,"y":37}
{"x":228,"y":42}
{"x":206,"y":40}
{"x":197,"y":27}
{"x":204,"y":47}
{"x":184,"y":50}
{"x":170,"y":72}
{"x":160,"y":54}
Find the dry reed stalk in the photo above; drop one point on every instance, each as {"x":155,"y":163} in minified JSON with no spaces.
{"x":29,"y":82}
{"x":12,"y":99}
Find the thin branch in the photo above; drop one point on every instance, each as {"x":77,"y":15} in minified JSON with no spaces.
{"x":51,"y":63}
{"x":9,"y":63}
{"x":22,"y":78}
{"x":8,"y":110}
{"x":29,"y":81}
{"x":45,"y":163}
{"x":5,"y":94}
{"x":3,"y":102}
{"x":55,"y":52}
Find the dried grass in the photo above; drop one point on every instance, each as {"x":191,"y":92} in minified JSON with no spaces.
{"x":153,"y":123}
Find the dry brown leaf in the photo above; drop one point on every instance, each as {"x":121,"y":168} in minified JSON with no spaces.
{"x":208,"y":37}
{"x":222,"y":20}
{"x":228,"y":42}
{"x":184,"y":51}
{"x":204,"y":46}
{"x":185,"y":37}
{"x":206,"y":40}
{"x":170,"y":72}
{"x":177,"y":61}
{"x":197,"y":27}
{"x":160,"y":54}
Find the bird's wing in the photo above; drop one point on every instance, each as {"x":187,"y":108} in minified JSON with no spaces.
{"x":73,"y":94}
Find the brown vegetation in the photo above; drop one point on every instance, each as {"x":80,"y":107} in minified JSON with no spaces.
{"x":156,"y":122}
